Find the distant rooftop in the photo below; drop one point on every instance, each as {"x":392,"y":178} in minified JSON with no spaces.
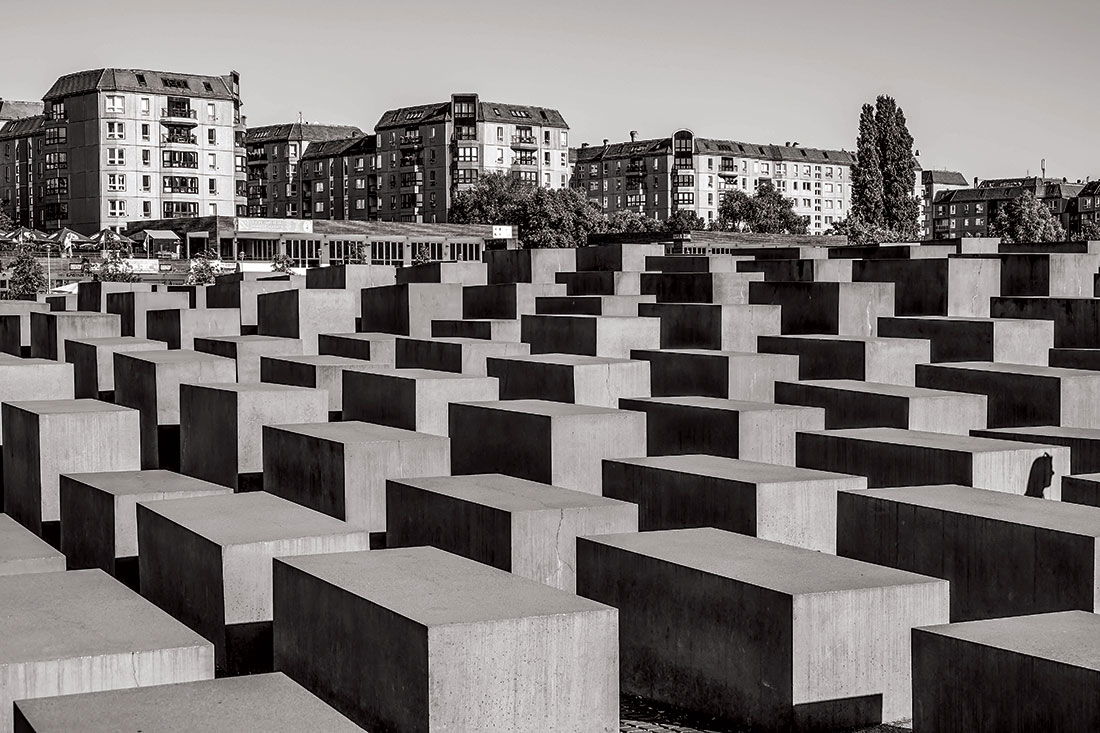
{"x":21,"y":127}
{"x":516,"y":114}
{"x":304,"y":131}
{"x":945,"y":178}
{"x":731,"y":148}
{"x":11,"y":109}
{"x":140,"y":80}
{"x":364,"y":143}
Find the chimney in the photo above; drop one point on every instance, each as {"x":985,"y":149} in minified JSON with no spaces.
{"x":633,"y":136}
{"x":605,"y":142}
{"x":975,"y":181}
{"x":584,"y":145}
{"x":1043,"y":167}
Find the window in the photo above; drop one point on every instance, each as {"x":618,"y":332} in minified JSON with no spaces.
{"x":116,"y":156}
{"x":115,"y":104}
{"x":116,"y":182}
{"x":141,"y":80}
{"x":57,"y":186}
{"x":147,"y":209}
{"x":146,"y":106}
{"x":521,"y":113}
{"x":146,"y":183}
{"x":466,"y":176}
{"x":211,"y":160}
{"x":116,"y":131}
{"x":206,"y":85}
{"x":57,"y":111}
{"x":360,"y":204}
{"x":180,"y":159}
{"x":212,"y":136}
{"x":319,"y":187}
{"x":56,"y":136}
{"x":146,"y":157}
{"x":211,"y":111}
{"x":55,"y":161}
{"x":145,"y":131}
{"x":564,"y":139}
{"x":319,"y":206}
{"x":172,"y":83}
{"x":116,"y":207}
{"x":212,"y":185}
{"x":467,"y":154}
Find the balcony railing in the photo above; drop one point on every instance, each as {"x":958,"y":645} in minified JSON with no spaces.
{"x":180,"y":113}
{"x":181,"y":189}
{"x":178,"y":139}
{"x":525,"y":141}
{"x":410,"y":141}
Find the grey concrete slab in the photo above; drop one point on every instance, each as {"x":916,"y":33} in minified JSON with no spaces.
{"x":22,"y":309}
{"x":1076,"y":320}
{"x":935,"y":287}
{"x":529,"y":265}
{"x":590,"y":335}
{"x":585,"y":380}
{"x":869,"y":358}
{"x":304,"y":314}
{"x":350,"y":277}
{"x":713,"y":326}
{"x":21,"y":551}
{"x":409,"y":310}
{"x":461,"y":355}
{"x":376,"y":347}
{"x":730,"y":288}
{"x":244,"y":296}
{"x":1083,"y":489}
{"x":1008,"y":340}
{"x":179,"y":327}
{"x":463,"y":273}
{"x":412,"y":399}
{"x":50,"y":331}
{"x":91,"y":295}
{"x":495,"y":329}
{"x":735,"y":375}
{"x":1083,"y":443}
{"x":851,"y":309}
{"x":323,"y":372}
{"x":591,"y":305}
{"x":246,"y":351}
{"x":93,"y":361}
{"x":417,"y":639}
{"x":505,"y":300}
{"x":133,"y":308}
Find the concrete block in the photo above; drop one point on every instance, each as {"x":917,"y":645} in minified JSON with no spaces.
{"x":760,"y":634}
{"x":1083,"y":489}
{"x":46,"y":438}
{"x":1076,"y":320}
{"x":350,"y":277}
{"x":692,"y":263}
{"x":854,"y":404}
{"x":409,"y":310}
{"x":221,"y":427}
{"x":1047,"y":274}
{"x":463,"y":273}
{"x":1005,"y":555}
{"x":590,"y":335}
{"x":505,"y":301}
{"x":418,"y":639}
{"x":93,"y":362}
{"x":21,"y":551}
{"x":730,"y":288}
{"x":149,"y":382}
{"x":196,"y":294}
{"x":527,"y":528}
{"x":891,"y":457}
{"x":755,"y":431}
{"x":976,"y":339}
{"x":935,"y":287}
{"x":550,"y":442}
{"x":50,"y":331}
{"x":412,"y":399}
{"x":91,"y":295}
{"x":584,"y":380}
{"x":601,"y":283}
{"x":1021,"y":673}
{"x":323,"y":372}
{"x":379,"y":348}
{"x":180,"y":327}
{"x":244,"y":296}
{"x":868,"y":358}
{"x":341,"y":469}
{"x":207,"y":561}
{"x":528,"y":265}
{"x":268,"y":702}
{"x":713,"y":326}
{"x":850,"y":309}
{"x":460,"y":355}
{"x":495,"y":329}
{"x":18,"y":340}
{"x":617,"y":257}
{"x":1021,"y":395}
{"x":731,"y":375}
{"x":82,"y":631}
{"x":304,"y":314}
{"x":99,"y":515}
{"x":133,"y":308}
{"x":796,"y":506}
{"x":1083,"y":443}
{"x":590,"y":305}
{"x":1070,"y":358}
{"x":246,"y":351}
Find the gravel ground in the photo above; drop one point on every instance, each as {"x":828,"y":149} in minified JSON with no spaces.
{"x":641,"y":716}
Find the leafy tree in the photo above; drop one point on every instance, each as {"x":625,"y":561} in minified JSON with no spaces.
{"x":1026,"y":219}
{"x":684,"y":220}
{"x":6,"y":224}
{"x":281,"y":263}
{"x":898,"y":165}
{"x":423,"y":254}
{"x":860,"y":232}
{"x":115,"y":269}
{"x":26,"y":278}
{"x":1090,"y":230}
{"x":765,"y":212}
{"x":204,"y":266}
{"x":631,"y":222}
{"x":867,"y":184}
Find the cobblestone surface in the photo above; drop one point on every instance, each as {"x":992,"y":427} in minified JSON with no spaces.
{"x":641,"y":716}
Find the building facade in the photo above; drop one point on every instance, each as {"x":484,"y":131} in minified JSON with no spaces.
{"x":21,"y":170}
{"x":340,"y":180}
{"x":967,"y":212}
{"x":126,"y":144}
{"x":429,"y":153}
{"x":659,"y":177}
{"x":932,"y":183}
{"x":274,"y":154}
{"x":1088,"y":206}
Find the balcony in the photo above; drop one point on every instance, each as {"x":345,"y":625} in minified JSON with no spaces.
{"x":522,"y":162}
{"x":409,"y":162}
{"x":178,"y":139}
{"x":184,"y":115}
{"x":728,"y":170}
{"x":410,"y":141}
{"x":524,"y":141}
{"x":191,"y":190}
{"x":635,"y":168}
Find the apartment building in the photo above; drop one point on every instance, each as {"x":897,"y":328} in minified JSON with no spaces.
{"x":274,"y":153}
{"x":428,"y":153}
{"x":932,"y":183}
{"x":128,"y":144}
{"x":21,"y":143}
{"x":340,"y":179}
{"x":1088,"y":206}
{"x":967,"y":212}
{"x":683,"y":172}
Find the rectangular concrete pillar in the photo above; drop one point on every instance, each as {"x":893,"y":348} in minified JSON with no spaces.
{"x":735,"y":375}
{"x":463,"y":273}
{"x":1076,"y":320}
{"x":412,"y":399}
{"x":93,"y":362}
{"x":246,"y":351}
{"x":873,"y":359}
{"x":207,"y":561}
{"x":180,"y":327}
{"x":849,"y":309}
{"x":495,"y":329}
{"x":50,"y":331}
{"x":584,"y":380}
{"x":18,"y":341}
{"x":550,"y":442}
{"x":22,"y":551}
{"x":304,"y":314}
{"x":376,"y":347}
{"x":728,"y":288}
{"x":460,"y":355}
{"x":244,"y":296}
{"x":418,"y":639}
{"x":408,"y":310}
{"x":91,"y":295}
{"x":133,"y":308}
{"x":759,"y":634}
{"x":935,"y":287}
{"x":341,"y":469}
{"x":1083,"y":443}
{"x":350,"y":277}
{"x":506,"y":300}
{"x":1012,"y":341}
{"x":590,"y":335}
{"x":323,"y":372}
{"x":529,"y":265}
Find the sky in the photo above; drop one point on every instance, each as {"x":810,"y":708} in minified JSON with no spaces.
{"x":989,"y":87}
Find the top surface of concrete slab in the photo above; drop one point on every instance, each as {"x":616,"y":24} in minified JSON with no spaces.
{"x":878,"y":388}
{"x":242,"y":519}
{"x":713,"y":352}
{"x":1031,"y":370}
{"x":83,"y":314}
{"x":251,"y":339}
{"x":119,"y":341}
{"x":262,"y":702}
{"x":427,"y":374}
{"x":175,"y":356}
{"x":321,"y":360}
{"x":81,"y":613}
{"x":717,"y":403}
{"x":940,"y":441}
{"x":735,"y":469}
{"x":565,"y":359}
{"x":436,"y":588}
{"x":354,"y":431}
{"x":842,"y":338}
{"x":544,"y":408}
{"x":997,"y":505}
{"x":1067,"y":637}
{"x":782,"y":568}
{"x":1048,"y":431}
{"x":155,"y":481}
{"x":252,"y":387}
{"x":509,"y":494}
{"x":9,"y":361}
{"x":67,"y":407}
{"x":370,"y":336}
{"x":19,"y":543}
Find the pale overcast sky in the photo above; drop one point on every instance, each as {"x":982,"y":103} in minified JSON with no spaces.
{"x":990,"y":87}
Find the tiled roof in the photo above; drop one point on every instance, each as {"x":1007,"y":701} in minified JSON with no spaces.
{"x":519,"y":114}
{"x":11,"y":109}
{"x":731,"y":148}
{"x":22,"y":127}
{"x":306,"y":131}
{"x":131,"y":80}
{"x":1091,"y":188}
{"x":947,"y":178}
{"x":1044,"y":189}
{"x":360,"y":144}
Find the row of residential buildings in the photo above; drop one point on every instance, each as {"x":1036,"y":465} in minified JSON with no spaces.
{"x":112,"y":146}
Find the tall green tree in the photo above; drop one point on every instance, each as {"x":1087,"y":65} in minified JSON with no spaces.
{"x":867,"y":185}
{"x":898,"y":166}
{"x":683,"y":221}
{"x":26,"y":278}
{"x":1026,"y":219}
{"x":765,"y":212}
{"x":631,"y":222}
